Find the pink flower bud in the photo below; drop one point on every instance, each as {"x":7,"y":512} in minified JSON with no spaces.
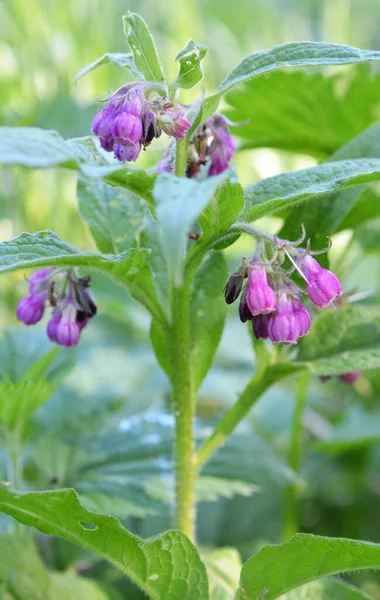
{"x":127,"y":128}
{"x":283,"y":325}
{"x":304,"y":320}
{"x":103,"y":121}
{"x":30,"y":310}
{"x":174,"y":122}
{"x":350,"y":377}
{"x":261,"y":299}
{"x":322,"y":286}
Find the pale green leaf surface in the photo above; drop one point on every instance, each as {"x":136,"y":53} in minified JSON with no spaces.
{"x":223,"y":566}
{"x":113,"y":215}
{"x":357,"y":429}
{"x":343,"y":340}
{"x":190,"y":67}
{"x":286,"y":190}
{"x":68,"y":586}
{"x":143,"y":48}
{"x":293,"y":54}
{"x":305,"y":558}
{"x":18,"y":401}
{"x":179,"y":203}
{"x":328,"y":589}
{"x":208,"y":313}
{"x":167,"y":567}
{"x":118,"y":59}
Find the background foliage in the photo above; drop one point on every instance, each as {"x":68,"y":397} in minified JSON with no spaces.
{"x":107,"y":429}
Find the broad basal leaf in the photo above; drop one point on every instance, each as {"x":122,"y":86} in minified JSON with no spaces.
{"x":167,"y":567}
{"x":179,"y":203}
{"x":190,"y":69}
{"x":40,"y":148}
{"x":294,"y":54}
{"x":113,"y":215}
{"x":276,"y":570}
{"x":343,"y":340}
{"x":286,"y":190}
{"x":143,"y":48}
{"x":208,"y":312}
{"x":110,"y":58}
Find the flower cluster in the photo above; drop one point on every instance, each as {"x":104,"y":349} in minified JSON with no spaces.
{"x":211,"y":145}
{"x":69,"y":295}
{"x":272,"y":301}
{"x":130,"y":121}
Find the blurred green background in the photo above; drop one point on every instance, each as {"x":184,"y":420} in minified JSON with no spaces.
{"x":43,"y":44}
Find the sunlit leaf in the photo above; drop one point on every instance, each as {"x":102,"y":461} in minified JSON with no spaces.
{"x":190,"y":70}
{"x":223,"y":567}
{"x":142,"y":45}
{"x":110,"y":58}
{"x":328,"y":589}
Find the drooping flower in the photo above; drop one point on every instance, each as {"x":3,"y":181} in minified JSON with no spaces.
{"x":323,"y":287}
{"x":284,"y":325}
{"x":261,"y":298}
{"x":131,"y":120}
{"x":222,"y":147}
{"x":260,"y":326}
{"x":71,"y":299}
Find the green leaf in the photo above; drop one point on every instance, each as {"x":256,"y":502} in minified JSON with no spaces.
{"x":190,"y":69}
{"x":179,"y":203}
{"x":282,"y":568}
{"x":294,"y":54}
{"x":66,"y":586}
{"x":286,"y":190}
{"x":46,"y":248}
{"x":305,"y":112}
{"x":328,"y":589}
{"x":18,"y":401}
{"x":143,"y":48}
{"x":208,"y":313}
{"x":324,"y":217}
{"x":40,"y":149}
{"x":113,"y":215}
{"x":223,"y":567}
{"x":110,"y":58}
{"x":166,"y":567}
{"x":223,"y":210}
{"x":366,"y":207}
{"x":343,"y":340}
{"x":22,"y":574}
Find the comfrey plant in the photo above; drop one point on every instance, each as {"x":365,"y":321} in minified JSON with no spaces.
{"x":162,"y":233}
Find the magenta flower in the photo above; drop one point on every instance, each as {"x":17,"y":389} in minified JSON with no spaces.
{"x":67,"y":331}
{"x":129,"y":152}
{"x":261,"y":298}
{"x":284,"y":324}
{"x":303,"y":316}
{"x":350,"y":377}
{"x":30,"y":310}
{"x":127,"y":128}
{"x":322,"y":286}
{"x":222,"y":147}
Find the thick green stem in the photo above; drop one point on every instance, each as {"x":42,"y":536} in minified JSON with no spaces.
{"x":184,"y":406}
{"x":181,"y":157}
{"x":294,"y":457}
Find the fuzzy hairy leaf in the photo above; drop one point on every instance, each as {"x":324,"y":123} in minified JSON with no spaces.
{"x":190,"y":67}
{"x":143,"y":48}
{"x":166,"y":567}
{"x":286,"y":190}
{"x":118,"y":59}
{"x":276,"y":570}
{"x":343,"y":340}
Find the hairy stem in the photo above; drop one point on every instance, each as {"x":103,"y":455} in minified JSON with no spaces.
{"x":294,"y":456}
{"x":184,"y":405}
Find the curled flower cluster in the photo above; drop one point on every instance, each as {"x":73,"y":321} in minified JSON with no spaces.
{"x":69,"y":295}
{"x":211,"y":145}
{"x":130,"y":121}
{"x":272,"y":301}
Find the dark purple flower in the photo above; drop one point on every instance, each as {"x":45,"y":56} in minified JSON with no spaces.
{"x":322,"y":286}
{"x":260,"y":326}
{"x":30,"y":310}
{"x":128,"y":152}
{"x":53,"y":324}
{"x":261,"y":298}
{"x":283,"y":325}
{"x":107,"y":145}
{"x":244,"y":312}
{"x":350,"y":377}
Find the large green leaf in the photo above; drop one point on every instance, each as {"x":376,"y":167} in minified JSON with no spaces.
{"x":276,"y":570}
{"x":208,"y":312}
{"x":143,"y":48}
{"x":304,"y":112}
{"x":223,"y":210}
{"x":324,"y":217}
{"x":286,"y":190}
{"x":343,"y":340}
{"x":179,"y":203}
{"x":110,"y":58}
{"x":30,"y":250}
{"x":190,"y":67}
{"x":167,"y":567}
{"x":39,"y":148}
{"x":113,"y":215}
{"x":294,"y":54}
{"x":328,"y":589}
